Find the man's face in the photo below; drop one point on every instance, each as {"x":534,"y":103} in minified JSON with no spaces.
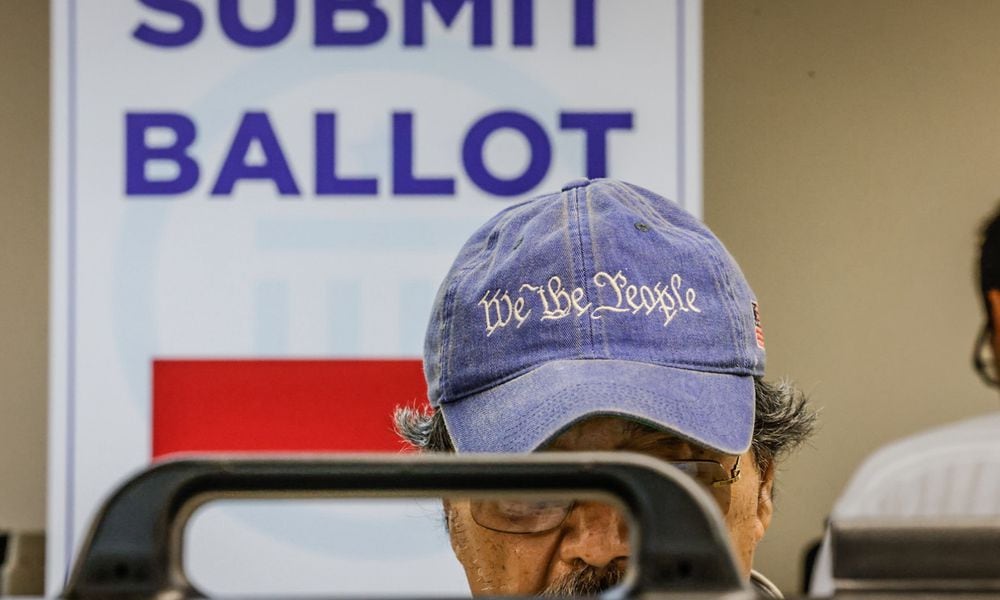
{"x":993,"y":299}
{"x":590,"y":550}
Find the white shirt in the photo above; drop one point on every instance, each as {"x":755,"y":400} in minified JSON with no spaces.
{"x":948,"y":471}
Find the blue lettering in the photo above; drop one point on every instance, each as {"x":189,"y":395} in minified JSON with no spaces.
{"x":523,"y":22}
{"x":255,"y":153}
{"x":475,"y":166}
{"x":482,"y":19}
{"x":190,"y":26}
{"x":595,"y":127}
{"x":137,"y":154}
{"x":232,"y":25}
{"x":585,"y":23}
{"x":403,"y":180}
{"x":327,"y":182}
{"x":255,"y":126}
{"x":325,"y":32}
{"x":371,"y":22}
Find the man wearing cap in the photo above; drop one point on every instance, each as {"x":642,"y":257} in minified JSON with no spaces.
{"x":602,"y":317}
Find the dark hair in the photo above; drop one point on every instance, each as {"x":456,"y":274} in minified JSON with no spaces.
{"x":989,"y":260}
{"x":783,"y":421}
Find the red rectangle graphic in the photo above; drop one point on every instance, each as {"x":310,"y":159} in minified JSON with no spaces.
{"x":281,"y":405}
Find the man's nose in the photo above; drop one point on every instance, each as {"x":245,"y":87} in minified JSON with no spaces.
{"x":595,"y":533}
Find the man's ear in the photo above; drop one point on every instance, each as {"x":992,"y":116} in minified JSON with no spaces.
{"x":765,"y":505}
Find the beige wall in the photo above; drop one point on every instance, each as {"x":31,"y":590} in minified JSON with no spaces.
{"x":24,"y":160}
{"x":851,"y":148}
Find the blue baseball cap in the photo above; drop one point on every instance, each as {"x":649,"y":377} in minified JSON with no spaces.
{"x":603,"y":299}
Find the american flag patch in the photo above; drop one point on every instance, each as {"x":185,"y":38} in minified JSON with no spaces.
{"x":758,"y":330}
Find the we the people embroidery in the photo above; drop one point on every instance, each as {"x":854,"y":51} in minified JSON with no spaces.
{"x":501,"y":307}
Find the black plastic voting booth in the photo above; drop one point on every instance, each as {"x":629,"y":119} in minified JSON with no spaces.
{"x":133,"y":549}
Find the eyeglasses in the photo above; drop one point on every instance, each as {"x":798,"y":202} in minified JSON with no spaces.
{"x":538,"y":516}
{"x":983,"y":359}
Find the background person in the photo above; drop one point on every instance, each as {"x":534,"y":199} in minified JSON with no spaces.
{"x":948,"y":471}
{"x":603,"y":317}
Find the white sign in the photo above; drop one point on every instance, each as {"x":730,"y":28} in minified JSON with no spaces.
{"x":291,"y":179}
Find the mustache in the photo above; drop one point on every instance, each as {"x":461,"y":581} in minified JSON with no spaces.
{"x":586,"y":581}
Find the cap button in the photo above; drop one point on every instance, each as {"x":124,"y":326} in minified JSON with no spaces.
{"x":576,"y":183}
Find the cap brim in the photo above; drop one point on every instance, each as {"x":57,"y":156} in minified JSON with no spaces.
{"x":715,"y":410}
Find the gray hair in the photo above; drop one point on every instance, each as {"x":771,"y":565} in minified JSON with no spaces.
{"x":783,"y":421}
